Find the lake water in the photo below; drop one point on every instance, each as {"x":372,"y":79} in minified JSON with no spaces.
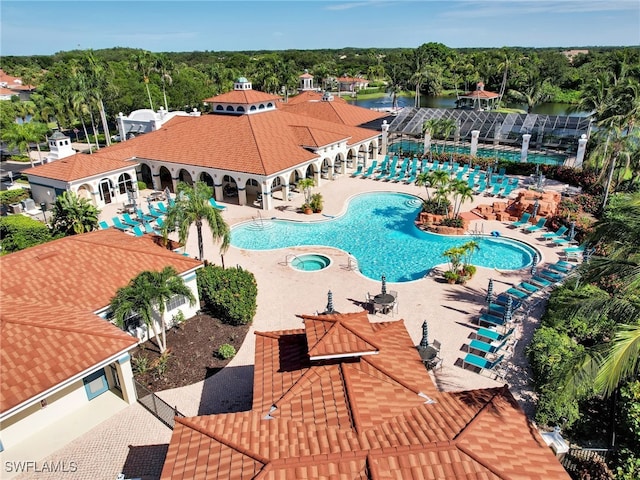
{"x":450,"y":102}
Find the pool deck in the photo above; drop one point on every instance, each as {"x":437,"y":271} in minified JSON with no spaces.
{"x":284,"y":292}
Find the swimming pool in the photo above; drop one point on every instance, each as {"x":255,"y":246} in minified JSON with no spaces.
{"x":378,"y":230}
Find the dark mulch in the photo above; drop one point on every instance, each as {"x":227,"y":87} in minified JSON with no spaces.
{"x":193,"y":347}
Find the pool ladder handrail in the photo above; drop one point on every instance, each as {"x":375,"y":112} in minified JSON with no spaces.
{"x":258,"y":221}
{"x":287,"y":260}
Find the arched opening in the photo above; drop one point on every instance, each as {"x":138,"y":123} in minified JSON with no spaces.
{"x":206,"y":178}
{"x":325,"y":169}
{"x":145,"y":175}
{"x":165,"y":179}
{"x":253,"y":108}
{"x":229,"y":189}
{"x":371,"y":151}
{"x":84,"y":191}
{"x":240,"y":109}
{"x":310,"y":172}
{"x":294,"y":178}
{"x":229,"y":108}
{"x":124,"y":183}
{"x":185,"y":177}
{"x":220,"y":108}
{"x":350,"y":159}
{"x":254,"y":195}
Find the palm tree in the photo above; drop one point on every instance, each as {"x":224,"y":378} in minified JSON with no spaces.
{"x":536,"y":91}
{"x":73,"y":215}
{"x":461,"y":193}
{"x":144,"y":62}
{"x":192,"y":206}
{"x":147,"y":294}
{"x":22,"y":135}
{"x":165,"y":66}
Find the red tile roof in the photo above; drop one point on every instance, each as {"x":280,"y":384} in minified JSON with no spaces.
{"x":366,"y":417}
{"x":48,"y":295}
{"x":243,"y":97}
{"x":309,"y":96}
{"x":79,"y":166}
{"x":334,"y":111}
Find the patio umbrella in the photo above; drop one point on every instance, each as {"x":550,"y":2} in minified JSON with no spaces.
{"x":424,"y":343}
{"x":329,"y":302}
{"x":540,"y":179}
{"x":534,"y":264}
{"x":572,"y":230}
{"x":167,"y":193}
{"x":489,"y":296}
{"x":489,"y":172}
{"x":384,"y":285}
{"x":508,"y":310}
{"x":536,"y":206}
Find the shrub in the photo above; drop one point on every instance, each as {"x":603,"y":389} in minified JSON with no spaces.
{"x":226,"y":351}
{"x":230,"y":294}
{"x":140,"y":364}
{"x":453,"y":222}
{"x":141,"y":185}
{"x":432,"y":206}
{"x":8,"y":197}
{"x":18,"y":232}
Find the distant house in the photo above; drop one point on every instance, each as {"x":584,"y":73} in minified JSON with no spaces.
{"x":479,"y":99}
{"x":571,"y":54}
{"x":346,"y":398}
{"x":12,"y":86}
{"x":252,"y":145}
{"x":351,"y":85}
{"x":61,"y":355}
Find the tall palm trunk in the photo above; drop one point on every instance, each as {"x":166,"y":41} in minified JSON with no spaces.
{"x":146,"y":83}
{"x":86,"y":134}
{"x":609,"y":179}
{"x":95,"y":130}
{"x":200,"y":244}
{"x":105,"y":125}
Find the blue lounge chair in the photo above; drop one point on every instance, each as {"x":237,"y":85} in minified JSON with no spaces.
{"x":400,"y":174}
{"x":562,"y":240}
{"x":562,"y":267}
{"x":160,"y":223}
{"x":523,"y":220}
{"x":519,"y":294}
{"x":383,"y":169}
{"x":148,"y":228}
{"x":495,"y":309}
{"x":510,"y":187}
{"x":537,"y":226}
{"x":214,"y":204}
{"x":162,"y":208}
{"x":143,"y":217}
{"x":435,"y":165}
{"x":481,"y":362}
{"x":482,"y":186}
{"x":118,"y":223}
{"x":370,"y":170}
{"x":103,"y":225}
{"x":358,"y":171}
{"x":411,"y":177}
{"x":137,"y":231}
{"x":154,"y":212}
{"x":527,"y":287}
{"x":493,"y":335}
{"x":392,"y":170}
{"x":497,"y":188}
{"x":540,"y":281}
{"x":491,"y":319}
{"x":486,"y":347}
{"x":555,"y":276}
{"x":558,"y":233}
{"x":127,"y":220}
{"x":461,"y":173}
{"x":386,"y":169}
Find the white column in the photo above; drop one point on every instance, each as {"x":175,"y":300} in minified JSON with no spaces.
{"x":123,"y":134}
{"x":385,"y":139}
{"x":125,"y":375}
{"x":582,"y":146}
{"x":217,"y":190}
{"x":525,"y":147}
{"x":474,"y":142}
{"x":427,"y":143}
{"x":267,"y":200}
{"x":242,"y":196}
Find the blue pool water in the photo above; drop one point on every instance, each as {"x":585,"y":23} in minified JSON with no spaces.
{"x":378,"y":230}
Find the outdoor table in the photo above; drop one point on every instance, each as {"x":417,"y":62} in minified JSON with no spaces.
{"x":129,"y":207}
{"x":156,"y":196}
{"x":385,"y":300}
{"x":429,"y":356}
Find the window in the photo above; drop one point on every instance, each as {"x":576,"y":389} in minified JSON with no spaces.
{"x":175,"y":302}
{"x":124,"y":183}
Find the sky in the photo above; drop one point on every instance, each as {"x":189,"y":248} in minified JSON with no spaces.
{"x":50,"y":26}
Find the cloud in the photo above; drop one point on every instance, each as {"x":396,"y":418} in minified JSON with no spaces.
{"x":350,"y":5}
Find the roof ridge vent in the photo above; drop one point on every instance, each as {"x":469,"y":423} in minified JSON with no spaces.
{"x":327,"y":97}
{"x":429,"y":400}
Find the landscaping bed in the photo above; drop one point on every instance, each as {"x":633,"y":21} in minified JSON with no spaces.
{"x":192,"y":347}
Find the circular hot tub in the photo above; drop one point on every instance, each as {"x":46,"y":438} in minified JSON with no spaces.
{"x":310,"y":262}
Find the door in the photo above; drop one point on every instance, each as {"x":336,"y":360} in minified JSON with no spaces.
{"x":106,"y":192}
{"x":95,"y":384}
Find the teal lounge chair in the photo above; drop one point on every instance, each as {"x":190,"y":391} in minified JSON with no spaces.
{"x":558,"y":233}
{"x":414,"y":172}
{"x":387,"y":170}
{"x":519,"y":294}
{"x":481,"y":362}
{"x":120,"y":225}
{"x":154,"y":212}
{"x":162,"y":208}
{"x":103,"y":225}
{"x":540,"y":281}
{"x":160,"y":223}
{"x":562,"y":267}
{"x":523,"y":220}
{"x":555,"y":276}
{"x":435,"y":165}
{"x":143,"y":217}
{"x":491,"y":319}
{"x":383,"y":168}
{"x":395,"y":175}
{"x":358,"y":171}
{"x":370,"y":170}
{"x":527,"y":287}
{"x":493,"y":335}
{"x":497,"y":188}
{"x":127,"y":220}
{"x":214,"y":204}
{"x":137,"y":231}
{"x":486,"y":347}
{"x":562,"y":240}
{"x":537,"y":226}
{"x":496,"y":309}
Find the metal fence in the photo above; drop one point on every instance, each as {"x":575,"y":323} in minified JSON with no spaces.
{"x":158,"y":407}
{"x":577,"y":461}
